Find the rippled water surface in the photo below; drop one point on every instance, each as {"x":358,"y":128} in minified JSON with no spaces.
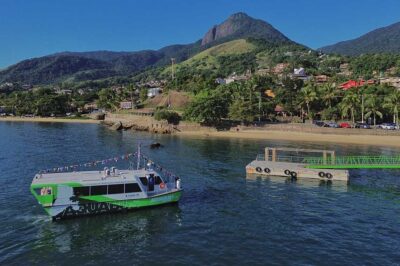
{"x":222,"y":218}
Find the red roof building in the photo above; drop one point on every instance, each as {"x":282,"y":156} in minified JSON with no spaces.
{"x":355,"y":84}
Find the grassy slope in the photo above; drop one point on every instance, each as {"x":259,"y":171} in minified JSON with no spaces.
{"x":178,"y":100}
{"x":207,"y":59}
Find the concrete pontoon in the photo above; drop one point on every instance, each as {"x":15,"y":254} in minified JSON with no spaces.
{"x":289,"y":162}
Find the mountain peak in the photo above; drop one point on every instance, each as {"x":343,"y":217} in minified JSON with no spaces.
{"x":241,"y":25}
{"x":239,"y":15}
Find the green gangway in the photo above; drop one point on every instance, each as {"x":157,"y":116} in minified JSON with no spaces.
{"x":353,"y":162}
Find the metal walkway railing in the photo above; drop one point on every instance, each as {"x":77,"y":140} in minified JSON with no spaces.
{"x":354,"y":162}
{"x":341,"y":162}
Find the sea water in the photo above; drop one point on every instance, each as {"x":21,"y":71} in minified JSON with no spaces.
{"x":222,"y":218}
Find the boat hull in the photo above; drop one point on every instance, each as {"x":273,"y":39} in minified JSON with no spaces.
{"x":100,"y":206}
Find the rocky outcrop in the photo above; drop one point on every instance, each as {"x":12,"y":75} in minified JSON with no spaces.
{"x":99,"y":116}
{"x":240,"y":25}
{"x":149,"y":126}
{"x":117,"y":126}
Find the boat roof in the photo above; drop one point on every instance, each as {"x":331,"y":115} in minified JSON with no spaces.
{"x":91,"y":177}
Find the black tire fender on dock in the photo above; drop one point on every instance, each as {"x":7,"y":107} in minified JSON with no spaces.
{"x":287,"y":172}
{"x":321,"y":174}
{"x":329,"y":175}
{"x":267,"y":170}
{"x":259,"y":169}
{"x":293,"y":175}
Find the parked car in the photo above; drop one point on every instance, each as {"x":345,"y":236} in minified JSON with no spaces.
{"x":362,"y":125}
{"x":332,"y":124}
{"x":345,"y":125}
{"x":387,"y":126}
{"x":320,"y":123}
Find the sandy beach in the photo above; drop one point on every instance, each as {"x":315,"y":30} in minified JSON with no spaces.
{"x":48,"y":119}
{"x":373,"y":140}
{"x":376,"y":140}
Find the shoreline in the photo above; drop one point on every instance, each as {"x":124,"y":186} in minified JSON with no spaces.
{"x":371,"y":140}
{"x":274,"y":134}
{"x":289,"y":132}
{"x":48,"y":120}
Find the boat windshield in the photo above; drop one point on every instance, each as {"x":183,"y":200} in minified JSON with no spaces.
{"x":43,"y":191}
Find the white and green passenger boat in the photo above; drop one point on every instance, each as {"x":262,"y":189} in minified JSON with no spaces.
{"x":70,"y":194}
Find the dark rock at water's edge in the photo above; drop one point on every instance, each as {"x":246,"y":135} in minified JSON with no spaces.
{"x":106,"y":123}
{"x":98,"y":116}
{"x":117,"y":126}
{"x":156,"y":145}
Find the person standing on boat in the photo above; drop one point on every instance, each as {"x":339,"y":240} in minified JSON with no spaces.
{"x":177,"y":182}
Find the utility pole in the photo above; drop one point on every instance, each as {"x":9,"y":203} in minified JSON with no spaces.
{"x":362,"y":108}
{"x":172,"y":78}
{"x":172,"y":69}
{"x":131,"y":99}
{"x":130,"y":86}
{"x":259,"y":108}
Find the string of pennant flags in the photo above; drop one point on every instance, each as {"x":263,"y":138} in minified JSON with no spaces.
{"x":160,"y":168}
{"x":88,"y":164}
{"x":115,"y":159}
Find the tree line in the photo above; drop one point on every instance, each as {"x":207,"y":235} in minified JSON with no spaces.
{"x":248,"y":101}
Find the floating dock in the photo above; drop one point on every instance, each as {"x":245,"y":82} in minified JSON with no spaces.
{"x":302,"y":163}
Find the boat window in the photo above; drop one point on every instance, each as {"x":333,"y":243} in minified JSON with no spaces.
{"x":43,"y":191}
{"x":158,"y":180}
{"x":98,"y":190}
{"x":143,"y":180}
{"x":116,"y":189}
{"x":81,"y":191}
{"x":132,"y":187}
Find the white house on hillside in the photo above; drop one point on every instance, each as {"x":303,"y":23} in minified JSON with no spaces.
{"x":152,"y":92}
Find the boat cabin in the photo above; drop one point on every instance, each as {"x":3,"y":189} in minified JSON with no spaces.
{"x":111,"y":184}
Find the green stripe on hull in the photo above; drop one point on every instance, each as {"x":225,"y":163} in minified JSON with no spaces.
{"x":102,"y":204}
{"x":153,"y":201}
{"x":134,"y":203}
{"x":47,"y":200}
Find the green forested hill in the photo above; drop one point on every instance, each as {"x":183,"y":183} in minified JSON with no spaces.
{"x":81,"y":66}
{"x":382,"y":40}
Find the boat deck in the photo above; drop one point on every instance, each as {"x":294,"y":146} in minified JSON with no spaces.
{"x":88,"y":176}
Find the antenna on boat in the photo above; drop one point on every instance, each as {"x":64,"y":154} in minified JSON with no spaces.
{"x":138,"y":155}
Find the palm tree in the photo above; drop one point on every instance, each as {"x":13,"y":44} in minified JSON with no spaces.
{"x":328,"y":93}
{"x":308,"y":95}
{"x":392,"y":102}
{"x":372,"y":105}
{"x":349,"y":104}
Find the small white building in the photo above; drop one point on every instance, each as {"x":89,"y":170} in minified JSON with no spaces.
{"x":152,"y":92}
{"x":299,"y":72}
{"x":125,"y":105}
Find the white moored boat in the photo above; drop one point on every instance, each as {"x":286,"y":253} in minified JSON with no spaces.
{"x":69,"y":194}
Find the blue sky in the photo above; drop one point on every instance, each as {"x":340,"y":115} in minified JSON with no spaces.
{"x":40,"y":27}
